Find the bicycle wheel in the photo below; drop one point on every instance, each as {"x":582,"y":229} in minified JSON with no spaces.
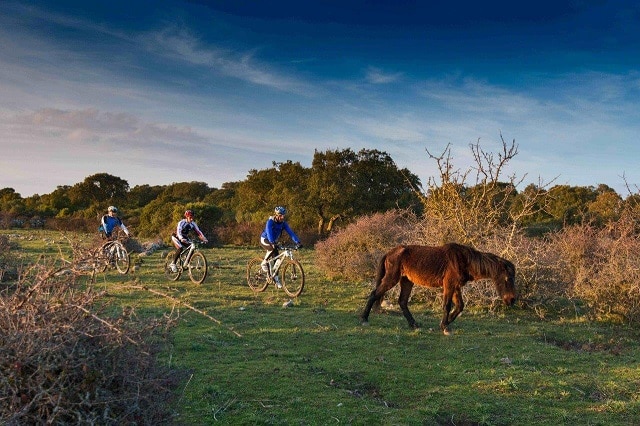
{"x":122,"y":259}
{"x":198,"y":268}
{"x":173,"y":276}
{"x":256,"y":277}
{"x":101,"y":259}
{"x":292,"y":277}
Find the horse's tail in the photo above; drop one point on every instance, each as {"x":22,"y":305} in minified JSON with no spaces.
{"x":380,"y":273}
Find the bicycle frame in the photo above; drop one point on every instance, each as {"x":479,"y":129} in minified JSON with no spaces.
{"x":114,"y":253}
{"x":275,"y":262}
{"x":283,"y":270}
{"x":114,"y":249}
{"x":191,"y":260}
{"x":185,"y":259}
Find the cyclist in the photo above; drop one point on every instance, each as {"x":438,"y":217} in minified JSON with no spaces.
{"x":272,"y":231}
{"x":180,"y":238}
{"x":110,"y":221}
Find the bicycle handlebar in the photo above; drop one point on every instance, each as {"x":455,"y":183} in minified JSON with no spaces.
{"x":289,"y":247}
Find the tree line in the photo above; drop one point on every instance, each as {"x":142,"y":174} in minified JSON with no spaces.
{"x":339,"y":187}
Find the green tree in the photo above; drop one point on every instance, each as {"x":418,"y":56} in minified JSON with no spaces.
{"x":160,"y":216}
{"x":344,"y":184}
{"x":568,"y":205}
{"x":51,"y":204}
{"x":157,"y":218}
{"x":533,"y":199}
{"x":207,"y":216}
{"x":607,"y":206}
{"x":283,"y":184}
{"x":141,"y":195}
{"x":96,"y":192}
{"x":225,"y":198}
{"x":11,"y":202}
{"x":186,"y":192}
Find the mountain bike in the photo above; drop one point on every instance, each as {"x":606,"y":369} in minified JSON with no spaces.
{"x":191,"y":260}
{"x":283,"y":268}
{"x":112,"y":254}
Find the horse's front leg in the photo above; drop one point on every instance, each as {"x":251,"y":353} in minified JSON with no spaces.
{"x":446,"y":308}
{"x":403,"y":301}
{"x":458,"y":304}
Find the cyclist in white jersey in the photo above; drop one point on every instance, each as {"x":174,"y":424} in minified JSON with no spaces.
{"x":180,"y":238}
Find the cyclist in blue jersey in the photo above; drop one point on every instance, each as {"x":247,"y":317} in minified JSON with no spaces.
{"x":269,"y":237}
{"x":180,"y":238}
{"x":110,"y":221}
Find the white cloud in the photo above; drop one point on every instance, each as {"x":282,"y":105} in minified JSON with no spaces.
{"x":180,"y":44}
{"x":377,"y":76}
{"x":92,"y":125}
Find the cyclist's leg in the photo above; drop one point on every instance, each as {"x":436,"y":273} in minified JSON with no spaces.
{"x":178,"y":245}
{"x":271,"y":253}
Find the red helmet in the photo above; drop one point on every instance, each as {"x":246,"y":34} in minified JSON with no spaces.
{"x":188,"y":213}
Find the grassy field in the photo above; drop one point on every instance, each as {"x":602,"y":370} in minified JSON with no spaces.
{"x":252,"y":360}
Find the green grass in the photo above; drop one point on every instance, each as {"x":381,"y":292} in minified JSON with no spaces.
{"x":258,"y":362}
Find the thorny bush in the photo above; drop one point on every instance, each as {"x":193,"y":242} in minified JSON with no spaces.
{"x":602,"y":266}
{"x":353,"y":252}
{"x":66,"y":357}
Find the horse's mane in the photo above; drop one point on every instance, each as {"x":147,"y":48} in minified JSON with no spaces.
{"x":484,"y":264}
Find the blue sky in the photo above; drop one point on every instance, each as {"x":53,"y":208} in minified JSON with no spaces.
{"x":172,"y":91}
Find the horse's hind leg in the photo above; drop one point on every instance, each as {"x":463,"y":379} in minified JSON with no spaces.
{"x":403,"y":301}
{"x":376,"y":295}
{"x":373,"y":297}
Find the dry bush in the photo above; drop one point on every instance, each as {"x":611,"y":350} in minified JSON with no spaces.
{"x":541,"y":283}
{"x":602,"y":264}
{"x":241,"y":234}
{"x":473,"y":205}
{"x":67,"y":358}
{"x":353,"y":252}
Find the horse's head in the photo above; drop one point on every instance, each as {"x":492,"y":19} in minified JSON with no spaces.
{"x":506,"y":283}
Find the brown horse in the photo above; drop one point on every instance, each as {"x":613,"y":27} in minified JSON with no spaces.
{"x":449,"y":266}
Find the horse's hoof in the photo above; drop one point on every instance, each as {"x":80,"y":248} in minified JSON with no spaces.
{"x":447,"y":332}
{"x":365,"y":323}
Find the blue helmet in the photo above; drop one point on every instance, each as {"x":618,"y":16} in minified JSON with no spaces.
{"x":280,"y":210}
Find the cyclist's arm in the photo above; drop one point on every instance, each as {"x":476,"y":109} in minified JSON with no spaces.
{"x":199,"y":232}
{"x":124,"y":228}
{"x":292,"y":234}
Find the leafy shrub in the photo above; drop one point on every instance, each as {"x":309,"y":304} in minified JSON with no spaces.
{"x":353,"y":252}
